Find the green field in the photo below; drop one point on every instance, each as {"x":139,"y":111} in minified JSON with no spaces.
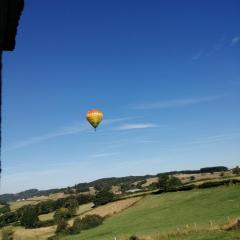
{"x":160,"y":214}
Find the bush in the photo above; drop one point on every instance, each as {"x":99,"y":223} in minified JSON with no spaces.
{"x":7,"y":233}
{"x":211,"y":184}
{"x":5,"y":209}
{"x":46,"y":223}
{"x":133,"y":237}
{"x":62,"y":227}
{"x":236,"y":170}
{"x":153,"y":186}
{"x":167,"y":183}
{"x":61,"y":214}
{"x":76,"y":227}
{"x":29,"y":218}
{"x":192,"y":178}
{"x":186,"y":188}
{"x":91,"y":221}
{"x":72,"y":206}
{"x":54,"y":237}
{"x":103,"y":197}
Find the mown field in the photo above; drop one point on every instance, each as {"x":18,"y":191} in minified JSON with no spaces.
{"x":164,"y":213}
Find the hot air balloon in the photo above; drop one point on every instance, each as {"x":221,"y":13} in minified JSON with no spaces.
{"x":94,"y":117}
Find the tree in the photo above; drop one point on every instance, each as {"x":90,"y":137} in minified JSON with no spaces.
{"x":5,"y":209}
{"x":61,"y":214}
{"x":72,"y":206}
{"x":192,"y":178}
{"x":62,"y":227}
{"x":163,"y":181}
{"x":91,"y":221}
{"x":29,"y":217}
{"x":103,"y":197}
{"x":236,"y":170}
{"x":76,"y":227}
{"x":174,"y":182}
{"x":167,"y":183}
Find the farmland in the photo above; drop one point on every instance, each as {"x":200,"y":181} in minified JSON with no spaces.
{"x":166,"y":212}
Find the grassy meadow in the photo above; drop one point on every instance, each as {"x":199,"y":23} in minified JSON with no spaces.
{"x":164,"y":213}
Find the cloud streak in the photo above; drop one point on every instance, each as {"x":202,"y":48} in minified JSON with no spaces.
{"x":136,"y":126}
{"x":235,"y":40}
{"x":72,"y":129}
{"x":197,"y":56}
{"x":102,"y":155}
{"x":174,"y":103}
{"x":69,"y":130}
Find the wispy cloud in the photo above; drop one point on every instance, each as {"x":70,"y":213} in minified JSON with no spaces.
{"x":69,"y":130}
{"x":116,"y":120}
{"x":74,"y":128}
{"x":174,"y":103}
{"x":103,"y":155}
{"x":235,"y":40}
{"x":218,"y":46}
{"x":136,"y":126}
{"x":197,"y":56}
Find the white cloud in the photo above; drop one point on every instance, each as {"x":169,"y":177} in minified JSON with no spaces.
{"x":101,"y":155}
{"x":173,"y":103}
{"x":69,"y":130}
{"x":197,"y":56}
{"x":136,"y":126}
{"x":235,"y":40}
{"x":74,"y":128}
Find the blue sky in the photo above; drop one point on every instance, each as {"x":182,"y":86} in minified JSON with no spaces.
{"x":166,"y":75}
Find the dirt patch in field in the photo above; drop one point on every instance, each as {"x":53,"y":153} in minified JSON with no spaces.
{"x":113,"y":208}
{"x":39,"y":233}
{"x":150,"y":181}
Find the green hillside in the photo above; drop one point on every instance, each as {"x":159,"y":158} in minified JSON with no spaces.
{"x":166,"y":212}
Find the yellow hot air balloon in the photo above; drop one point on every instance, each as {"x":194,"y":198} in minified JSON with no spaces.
{"x":94,"y":117}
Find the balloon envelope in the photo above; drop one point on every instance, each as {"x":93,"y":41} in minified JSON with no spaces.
{"x":94,"y":117}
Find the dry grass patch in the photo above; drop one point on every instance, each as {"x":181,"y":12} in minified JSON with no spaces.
{"x":32,"y":234}
{"x":19,"y":204}
{"x":114,"y":207}
{"x":150,"y":181}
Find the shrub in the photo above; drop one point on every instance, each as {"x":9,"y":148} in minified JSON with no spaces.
{"x":153,"y":186}
{"x":62,"y":227}
{"x":7,"y":233}
{"x":236,"y":170}
{"x":29,"y":218}
{"x":192,"y":178}
{"x":61,"y":214}
{"x":167,"y":183}
{"x":46,"y":223}
{"x":186,"y":188}
{"x":103,"y":197}
{"x":76,"y":227}
{"x":91,"y":221}
{"x":5,"y":209}
{"x":72,"y":206}
{"x":211,"y":184}
{"x":54,"y":237}
{"x":133,"y":237}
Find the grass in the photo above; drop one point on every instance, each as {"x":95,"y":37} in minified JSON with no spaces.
{"x":212,"y":236}
{"x":166,"y":212}
{"x":31,"y":234}
{"x":18,"y":204}
{"x":45,"y":217}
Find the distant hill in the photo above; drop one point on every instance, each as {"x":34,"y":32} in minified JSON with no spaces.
{"x":124,"y":182}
